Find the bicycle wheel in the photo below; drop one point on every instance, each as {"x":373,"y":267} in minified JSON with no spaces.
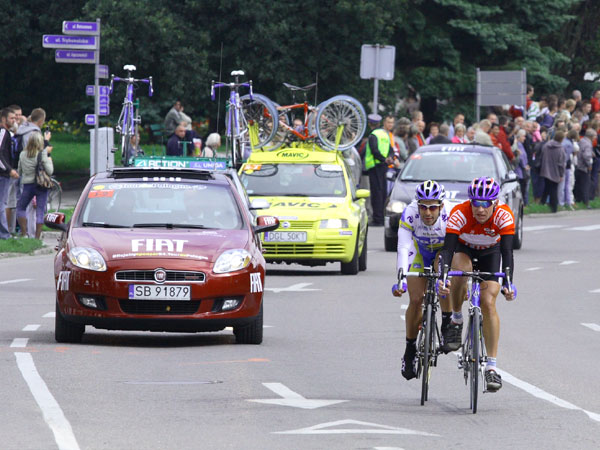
{"x":475,"y":331}
{"x":341,"y":110}
{"x":282,"y":134}
{"x":261,"y":111}
{"x":427,"y":328}
{"x":54,"y":197}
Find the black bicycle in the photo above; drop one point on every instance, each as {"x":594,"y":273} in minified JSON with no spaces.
{"x":429,"y":336}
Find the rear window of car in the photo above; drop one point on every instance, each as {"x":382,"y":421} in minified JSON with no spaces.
{"x":448,"y":166}
{"x":125,"y":204}
{"x":314,"y":180}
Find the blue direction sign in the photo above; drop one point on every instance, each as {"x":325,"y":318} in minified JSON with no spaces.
{"x":104,"y":110}
{"x":104,"y":90}
{"x":75,"y":56}
{"x":90,"y":119}
{"x":101,"y":71}
{"x":89,"y":28}
{"x":89,"y":89}
{"x":103,"y":100}
{"x":75,"y":42}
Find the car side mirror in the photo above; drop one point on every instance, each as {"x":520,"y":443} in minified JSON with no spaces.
{"x":363,"y":193}
{"x":510,"y":177}
{"x":259,"y":203}
{"x":56,"y":221}
{"x":391,"y":175}
{"x":266,"y":223}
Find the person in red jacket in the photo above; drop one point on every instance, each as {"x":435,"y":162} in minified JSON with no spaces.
{"x":595,"y":100}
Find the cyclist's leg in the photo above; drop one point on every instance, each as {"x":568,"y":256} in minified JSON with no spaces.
{"x":452,"y":335}
{"x":416,"y":290}
{"x":445,"y":305}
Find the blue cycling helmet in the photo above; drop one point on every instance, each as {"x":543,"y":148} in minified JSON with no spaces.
{"x":430,"y":190}
{"x":483,"y":188}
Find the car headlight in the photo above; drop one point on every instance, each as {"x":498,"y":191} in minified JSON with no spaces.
{"x":87,"y":258}
{"x":232,"y":260}
{"x":395,"y":207}
{"x":334,"y":223}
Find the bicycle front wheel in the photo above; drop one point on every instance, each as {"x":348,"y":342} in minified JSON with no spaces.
{"x":259,"y":111}
{"x":54,"y":197}
{"x":427,"y":332}
{"x":282,"y":134}
{"x":474,"y":363}
{"x":341,"y":117}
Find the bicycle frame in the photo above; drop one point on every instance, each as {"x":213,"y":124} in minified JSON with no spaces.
{"x":307,"y":110}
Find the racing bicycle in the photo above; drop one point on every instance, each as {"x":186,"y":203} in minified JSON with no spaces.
{"x":129,"y":117}
{"x":54,"y":196}
{"x":472,"y":358}
{"x":429,"y":336}
{"x":249,"y":120}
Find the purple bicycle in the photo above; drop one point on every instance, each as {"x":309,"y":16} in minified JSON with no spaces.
{"x":129,"y":118}
{"x":251,"y":113}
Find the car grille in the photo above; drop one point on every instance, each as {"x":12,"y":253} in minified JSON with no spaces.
{"x":173,"y":276}
{"x":296,"y":225}
{"x":303,"y":249}
{"x":159,"y":307}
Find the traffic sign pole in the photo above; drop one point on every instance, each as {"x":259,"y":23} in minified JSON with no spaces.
{"x":96,"y":101}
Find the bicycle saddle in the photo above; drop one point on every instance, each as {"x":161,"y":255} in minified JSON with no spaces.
{"x":237,"y":73}
{"x":291,"y":87}
{"x":129,"y":67}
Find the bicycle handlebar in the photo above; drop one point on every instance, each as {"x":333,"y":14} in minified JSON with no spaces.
{"x":131,"y":80}
{"x":232,"y":87}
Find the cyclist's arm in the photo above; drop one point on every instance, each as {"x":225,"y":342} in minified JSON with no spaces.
{"x":405,"y":242}
{"x":447,"y":252}
{"x":374,"y":146}
{"x":506,"y":249}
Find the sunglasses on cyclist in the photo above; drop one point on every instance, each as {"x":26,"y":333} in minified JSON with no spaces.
{"x":482,"y":203}
{"x":424,"y":207}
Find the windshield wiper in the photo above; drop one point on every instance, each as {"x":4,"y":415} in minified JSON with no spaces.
{"x":102,"y":225}
{"x":168,"y":225}
{"x":450,"y":180}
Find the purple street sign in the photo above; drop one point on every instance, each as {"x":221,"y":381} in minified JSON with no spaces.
{"x":75,"y":42}
{"x":103,"y":100}
{"x":89,"y":89}
{"x":89,"y":28}
{"x":104,"y":110}
{"x":103,"y":90}
{"x":101,"y":71}
{"x":90,"y":119}
{"x":75,"y":56}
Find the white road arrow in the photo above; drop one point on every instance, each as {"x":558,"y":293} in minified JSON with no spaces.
{"x":300,"y":287}
{"x":293,"y":399}
{"x":326,"y":428}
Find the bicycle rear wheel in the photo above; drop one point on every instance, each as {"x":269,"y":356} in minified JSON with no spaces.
{"x":260,"y":111}
{"x":475,"y":331}
{"x":282,"y":134}
{"x":344,"y":111}
{"x":54,"y":197}
{"x":427,"y":332}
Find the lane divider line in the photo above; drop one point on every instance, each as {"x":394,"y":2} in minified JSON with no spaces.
{"x":53,"y":414}
{"x":19,"y":342}
{"x":592,"y":326}
{"x":18,"y":280}
{"x":541,"y":394}
{"x":530,"y":269}
{"x":568,"y":263}
{"x":31,"y":327}
{"x":51,"y":314}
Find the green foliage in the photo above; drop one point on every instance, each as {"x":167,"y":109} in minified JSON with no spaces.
{"x":20,"y":245}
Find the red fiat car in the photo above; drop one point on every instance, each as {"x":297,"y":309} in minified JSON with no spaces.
{"x":160,"y":250}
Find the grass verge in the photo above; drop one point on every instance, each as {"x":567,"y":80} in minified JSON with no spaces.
{"x":20,"y":245}
{"x":534,"y":208}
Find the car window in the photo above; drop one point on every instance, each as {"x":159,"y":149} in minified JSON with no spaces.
{"x":129,"y":203}
{"x":448,"y":166}
{"x":315,"y":180}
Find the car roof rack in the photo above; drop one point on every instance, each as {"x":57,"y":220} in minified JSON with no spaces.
{"x":132,"y":172}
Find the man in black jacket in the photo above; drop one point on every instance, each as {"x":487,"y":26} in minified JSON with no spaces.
{"x":7,"y":171}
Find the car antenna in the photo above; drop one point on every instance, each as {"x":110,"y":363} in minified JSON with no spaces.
{"x":219,"y":93}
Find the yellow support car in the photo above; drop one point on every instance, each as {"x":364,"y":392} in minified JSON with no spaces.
{"x":321,"y":212}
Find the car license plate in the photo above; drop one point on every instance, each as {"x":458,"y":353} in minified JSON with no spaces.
{"x":285,"y":236}
{"x":156,"y":292}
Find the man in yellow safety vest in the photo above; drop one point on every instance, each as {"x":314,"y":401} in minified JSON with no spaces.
{"x":379,"y":147}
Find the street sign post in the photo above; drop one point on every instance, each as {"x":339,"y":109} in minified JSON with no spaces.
{"x":102,"y":71}
{"x":500,"y":87}
{"x":89,"y":90}
{"x":377,"y":63}
{"x":75,"y":56}
{"x":70,"y":42}
{"x":82,"y":28}
{"x":104,"y":110}
{"x":90,"y":119}
{"x":104,"y":100}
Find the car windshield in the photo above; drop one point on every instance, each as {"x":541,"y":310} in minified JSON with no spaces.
{"x":448,"y":166}
{"x":314,"y":180}
{"x":160,"y":204}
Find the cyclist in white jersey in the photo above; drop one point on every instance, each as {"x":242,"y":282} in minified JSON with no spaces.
{"x":421,"y":235}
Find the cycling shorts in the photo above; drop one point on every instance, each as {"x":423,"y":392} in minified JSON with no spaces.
{"x":488,"y":259}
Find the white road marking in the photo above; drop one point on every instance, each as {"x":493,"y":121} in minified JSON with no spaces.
{"x":586,"y":228}
{"x":403,"y":317}
{"x":539,"y":393}
{"x":53,"y":414}
{"x":19,"y":342}
{"x":542,"y":227}
{"x":388,"y":448}
{"x":595,"y":291}
{"x":31,"y":327}
{"x":568,"y":263}
{"x":169,"y":383}
{"x":299,"y":287}
{"x":592,"y":326}
{"x":293,"y":399}
{"x":326,"y":428}
{"x":403,"y":306}
{"x":18,"y":280}
{"x":529,"y":269}
{"x":50,"y":314}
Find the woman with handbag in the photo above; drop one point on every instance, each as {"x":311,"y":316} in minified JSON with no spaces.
{"x":35,"y":168}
